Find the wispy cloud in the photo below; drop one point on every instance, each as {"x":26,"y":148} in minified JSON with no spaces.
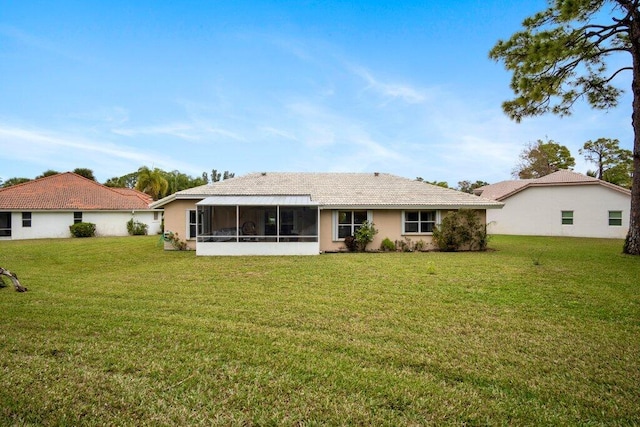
{"x":56,"y":150}
{"x":403,"y":92}
{"x":185,"y":131}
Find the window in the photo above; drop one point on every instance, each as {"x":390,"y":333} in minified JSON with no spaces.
{"x":5,"y":224}
{"x":155,"y":216}
{"x":77,"y":217}
{"x":615,"y":218}
{"x":349,"y":221}
{"x":419,"y":221}
{"x":26,"y":219}
{"x":193,"y":225}
{"x":567,"y":217}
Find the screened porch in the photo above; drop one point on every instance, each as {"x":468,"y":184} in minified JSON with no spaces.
{"x":257,"y":225}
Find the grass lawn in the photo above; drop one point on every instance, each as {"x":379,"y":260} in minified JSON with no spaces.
{"x":115,"y":331}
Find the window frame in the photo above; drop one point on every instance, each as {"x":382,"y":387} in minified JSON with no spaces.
{"x":337,"y":224}
{"x":618,"y":220}
{"x":420,"y":221}
{"x":567,"y":217}
{"x":77,"y":217}
{"x":27,"y":219}
{"x":192,"y":214}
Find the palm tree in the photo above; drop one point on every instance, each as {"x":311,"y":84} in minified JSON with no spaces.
{"x":151,"y":182}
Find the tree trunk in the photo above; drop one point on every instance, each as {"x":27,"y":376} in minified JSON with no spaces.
{"x":632,"y":242}
{"x":14,"y":279}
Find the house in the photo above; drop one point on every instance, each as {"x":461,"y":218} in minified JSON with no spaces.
{"x":564,"y":203}
{"x":307,"y":213}
{"x":46,"y":207}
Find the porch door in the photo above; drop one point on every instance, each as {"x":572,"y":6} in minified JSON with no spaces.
{"x":5,"y":224}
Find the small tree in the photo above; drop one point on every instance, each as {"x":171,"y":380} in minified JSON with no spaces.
{"x":461,"y":229}
{"x":542,"y":158}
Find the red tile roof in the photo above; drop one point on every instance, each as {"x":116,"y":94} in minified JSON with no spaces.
{"x":69,"y":191}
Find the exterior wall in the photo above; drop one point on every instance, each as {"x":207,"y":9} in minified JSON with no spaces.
{"x":388,"y":222}
{"x":536,"y":211}
{"x":54,"y":224}
{"x":175,"y":220}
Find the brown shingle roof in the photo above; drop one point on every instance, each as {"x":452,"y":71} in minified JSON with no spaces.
{"x":69,"y":191}
{"x":339,"y":189}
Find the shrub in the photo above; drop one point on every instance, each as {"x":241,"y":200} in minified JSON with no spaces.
{"x":405,"y":245}
{"x":461,"y":230}
{"x":136,"y":228}
{"x":364,"y":235}
{"x":175,"y":241}
{"x":351,"y":244}
{"x":387,"y":245}
{"x":83,"y":229}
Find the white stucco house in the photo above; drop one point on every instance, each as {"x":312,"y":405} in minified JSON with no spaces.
{"x":564,"y":203}
{"x":46,"y":207}
{"x":288,"y":213}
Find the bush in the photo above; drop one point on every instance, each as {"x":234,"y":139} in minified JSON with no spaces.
{"x":364,"y":235}
{"x":175,"y":241}
{"x":83,"y":229}
{"x":136,"y":228}
{"x":387,"y":245}
{"x":461,"y":230}
{"x":351,"y":244}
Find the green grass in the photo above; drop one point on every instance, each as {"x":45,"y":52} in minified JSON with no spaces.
{"x":115,"y":331}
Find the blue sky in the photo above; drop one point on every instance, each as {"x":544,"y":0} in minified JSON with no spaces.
{"x":247,"y":86}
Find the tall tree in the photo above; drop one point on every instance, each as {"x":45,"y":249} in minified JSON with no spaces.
{"x":561,"y":55}
{"x":151,"y":182}
{"x":125,"y":181}
{"x":87,"y":173}
{"x":614,"y":164}
{"x":542,"y":158}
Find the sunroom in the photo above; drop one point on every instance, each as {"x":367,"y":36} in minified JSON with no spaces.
{"x":257,"y":225}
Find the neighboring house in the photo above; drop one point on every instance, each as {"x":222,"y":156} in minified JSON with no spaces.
{"x":46,"y":207}
{"x":307,"y":213}
{"x":563,"y":203}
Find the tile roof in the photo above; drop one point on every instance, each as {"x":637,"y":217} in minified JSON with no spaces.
{"x":504,"y":189}
{"x":339,"y":189}
{"x":69,"y":191}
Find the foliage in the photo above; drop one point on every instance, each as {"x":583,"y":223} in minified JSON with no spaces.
{"x":364,"y":235}
{"x":461,"y":229}
{"x":175,"y":241}
{"x":543,"y":158}
{"x":136,"y":228}
{"x":48,"y":172}
{"x":14,"y":181}
{"x":87,"y":173}
{"x":152,"y":182}
{"x":125,"y":181}
{"x":217,"y":176}
{"x":561,"y":55}
{"x":115,"y":331}
{"x":351,"y":244}
{"x":468,"y":186}
{"x":387,"y":245}
{"x":614,"y":164}
{"x":83,"y":229}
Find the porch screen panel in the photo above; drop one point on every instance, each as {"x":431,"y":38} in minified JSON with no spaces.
{"x":223,"y":224}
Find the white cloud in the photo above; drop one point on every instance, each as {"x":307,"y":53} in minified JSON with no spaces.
{"x":404,"y":92}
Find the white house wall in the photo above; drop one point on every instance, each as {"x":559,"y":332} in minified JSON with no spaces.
{"x":538,"y":211}
{"x":52,"y":224}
